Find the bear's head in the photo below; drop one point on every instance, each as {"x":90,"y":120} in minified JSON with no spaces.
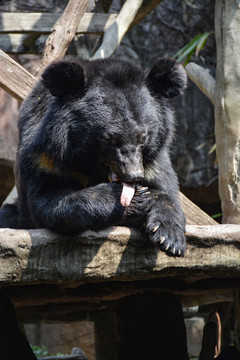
{"x":114,"y":111}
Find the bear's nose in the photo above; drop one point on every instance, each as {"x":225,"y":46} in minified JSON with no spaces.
{"x":134,"y":176}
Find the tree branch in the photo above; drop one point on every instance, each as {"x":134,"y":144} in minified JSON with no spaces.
{"x":63,"y":32}
{"x":115,"y":33}
{"x":146,"y":8}
{"x":202,"y":79}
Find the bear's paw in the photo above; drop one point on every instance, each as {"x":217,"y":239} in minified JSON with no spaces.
{"x":167,"y":233}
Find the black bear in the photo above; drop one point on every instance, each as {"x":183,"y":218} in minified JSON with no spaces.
{"x":94,"y":143}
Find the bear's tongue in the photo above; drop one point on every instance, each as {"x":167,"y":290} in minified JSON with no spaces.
{"x":128,"y":192}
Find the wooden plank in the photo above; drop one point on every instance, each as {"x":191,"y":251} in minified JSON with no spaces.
{"x":61,"y":305}
{"x":43,"y":23}
{"x":194,"y":215}
{"x":115,"y":254}
{"x":43,"y":272}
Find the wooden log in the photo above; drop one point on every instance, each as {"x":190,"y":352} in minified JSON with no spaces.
{"x":14,"y":79}
{"x":63,"y":32}
{"x":203,"y":79}
{"x":93,"y":295}
{"x":227,"y":107}
{"x":146,"y":8}
{"x":54,"y":300}
{"x":115,"y":254}
{"x":43,"y":23}
{"x":115,"y":33}
{"x":194,"y":215}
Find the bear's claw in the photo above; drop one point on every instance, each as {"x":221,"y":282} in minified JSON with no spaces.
{"x":162,"y":239}
{"x":155,"y":228}
{"x":169,"y":238}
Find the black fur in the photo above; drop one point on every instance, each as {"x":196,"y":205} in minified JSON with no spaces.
{"x":84,"y":120}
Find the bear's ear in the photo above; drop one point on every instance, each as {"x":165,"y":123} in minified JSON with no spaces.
{"x":64,"y":78}
{"x":167,"y":78}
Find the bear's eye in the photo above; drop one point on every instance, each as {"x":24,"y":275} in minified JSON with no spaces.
{"x":142,"y":138}
{"x":112,"y":141}
{"x":107,"y":141}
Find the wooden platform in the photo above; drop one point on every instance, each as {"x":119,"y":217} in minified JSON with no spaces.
{"x":40,"y":269}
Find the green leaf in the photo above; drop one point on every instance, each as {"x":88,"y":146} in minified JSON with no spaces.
{"x":202,"y":42}
{"x":187,"y":49}
{"x":215,"y":216}
{"x":188,"y":58}
{"x":180,"y":51}
{"x":195,"y":45}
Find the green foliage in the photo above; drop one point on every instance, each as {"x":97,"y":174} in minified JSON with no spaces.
{"x":193,"y":46}
{"x":39,"y":350}
{"x":215,"y":216}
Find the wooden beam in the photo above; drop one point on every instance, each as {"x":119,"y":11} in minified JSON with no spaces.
{"x":115,"y":254}
{"x":63,"y":32}
{"x":203,"y":79}
{"x":59,"y":308}
{"x":13,"y":33}
{"x":194,"y":215}
{"x":146,"y":8}
{"x":14,"y":79}
{"x":115,"y":33}
{"x":43,"y":272}
{"x":227,"y":107}
{"x":43,"y":23}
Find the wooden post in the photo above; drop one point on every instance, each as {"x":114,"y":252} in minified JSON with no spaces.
{"x":209,"y":341}
{"x":106,"y":337}
{"x":145,"y":326}
{"x":227,"y":106}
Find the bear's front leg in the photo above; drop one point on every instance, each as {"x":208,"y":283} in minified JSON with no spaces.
{"x":66,"y":210}
{"x":166,"y":225}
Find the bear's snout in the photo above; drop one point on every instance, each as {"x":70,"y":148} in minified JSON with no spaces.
{"x":128,"y":164}
{"x":127,"y":172}
{"x":134,"y":176}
